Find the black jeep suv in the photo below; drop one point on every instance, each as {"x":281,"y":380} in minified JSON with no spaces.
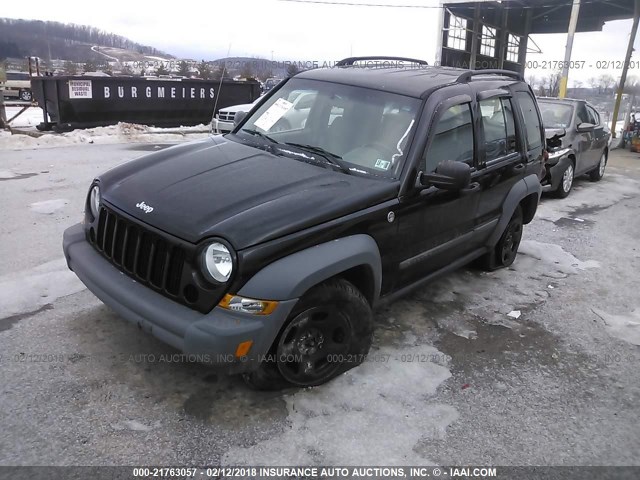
{"x":264,"y":251}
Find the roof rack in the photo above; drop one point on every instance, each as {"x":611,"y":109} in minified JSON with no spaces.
{"x":466,"y":76}
{"x":345,"y":62}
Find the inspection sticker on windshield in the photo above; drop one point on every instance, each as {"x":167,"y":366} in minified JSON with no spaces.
{"x":382,"y":164}
{"x":274,"y":113}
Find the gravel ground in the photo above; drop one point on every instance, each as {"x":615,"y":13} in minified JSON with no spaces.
{"x":452,"y":379}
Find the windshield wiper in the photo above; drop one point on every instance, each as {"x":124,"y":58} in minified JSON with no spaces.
{"x":331,"y":158}
{"x":258,"y":134}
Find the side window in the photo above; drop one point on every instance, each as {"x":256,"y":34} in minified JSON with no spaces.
{"x":453,"y":138}
{"x":512,"y":140}
{"x":583,"y":115}
{"x":499,"y":127}
{"x":531,"y":121}
{"x":594,"y":117}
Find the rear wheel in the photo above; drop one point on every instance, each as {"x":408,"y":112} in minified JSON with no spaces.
{"x":597,"y":173}
{"x":506,"y":250}
{"x":26,"y":95}
{"x":566,"y":183}
{"x":328,"y":332}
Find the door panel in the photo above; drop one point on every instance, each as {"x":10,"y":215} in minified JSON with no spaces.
{"x":585,"y":141}
{"x":501,"y":167}
{"x":437,"y":226}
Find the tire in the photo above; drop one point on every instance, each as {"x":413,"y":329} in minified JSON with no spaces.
{"x":26,"y":95}
{"x":597,"y":173}
{"x":506,"y":250}
{"x":328,"y":332}
{"x":566,"y":182}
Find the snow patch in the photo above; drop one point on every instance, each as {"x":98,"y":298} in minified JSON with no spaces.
{"x":48,"y":207}
{"x":623,"y":327}
{"x":31,"y":117}
{"x":555,"y":256}
{"x":134,"y":425}
{"x":29,"y":290}
{"x":491,"y":296}
{"x":372,"y":415}
{"x":609,"y":191}
{"x":6,"y":174}
{"x":458,"y":327}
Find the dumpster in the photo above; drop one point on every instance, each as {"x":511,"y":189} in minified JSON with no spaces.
{"x":86,"y":102}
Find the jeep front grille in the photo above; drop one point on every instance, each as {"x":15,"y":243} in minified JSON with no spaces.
{"x":145,"y":256}
{"x":153,"y":258}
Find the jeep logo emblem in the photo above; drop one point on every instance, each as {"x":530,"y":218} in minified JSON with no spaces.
{"x":145,"y":207}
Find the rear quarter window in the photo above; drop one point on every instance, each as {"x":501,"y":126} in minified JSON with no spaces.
{"x":532,"y":125}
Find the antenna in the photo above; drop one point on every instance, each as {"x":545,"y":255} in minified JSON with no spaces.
{"x":224,"y":68}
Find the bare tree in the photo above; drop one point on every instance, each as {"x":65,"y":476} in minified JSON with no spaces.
{"x":553,"y":84}
{"x":183,"y":69}
{"x":594,"y":83}
{"x":606,"y":81}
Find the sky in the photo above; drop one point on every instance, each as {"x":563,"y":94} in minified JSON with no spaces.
{"x":285,"y":30}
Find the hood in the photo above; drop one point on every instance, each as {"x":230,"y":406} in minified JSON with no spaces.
{"x":218,"y":187}
{"x":245,"y":107}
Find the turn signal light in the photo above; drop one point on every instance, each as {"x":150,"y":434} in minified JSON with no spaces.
{"x":243,"y":348}
{"x":247,"y":305}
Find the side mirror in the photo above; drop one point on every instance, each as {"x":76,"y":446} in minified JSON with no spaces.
{"x":586,"y":127}
{"x":449,"y":175}
{"x":238,"y":117}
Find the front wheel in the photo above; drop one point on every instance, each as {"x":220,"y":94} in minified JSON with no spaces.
{"x":328,"y":332}
{"x":597,"y":173}
{"x":566,"y":183}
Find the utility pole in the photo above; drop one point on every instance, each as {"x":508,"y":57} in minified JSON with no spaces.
{"x":625,"y":68}
{"x":573,"y":23}
{"x":3,"y":113}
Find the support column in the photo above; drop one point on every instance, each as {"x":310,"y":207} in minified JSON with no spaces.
{"x":475,"y":37}
{"x":625,"y":68}
{"x":573,"y":23}
{"x":501,"y":41}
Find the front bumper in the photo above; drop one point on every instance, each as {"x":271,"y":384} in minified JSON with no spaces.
{"x":553,"y":174}
{"x":211,"y":338}
{"x":221,"y":126}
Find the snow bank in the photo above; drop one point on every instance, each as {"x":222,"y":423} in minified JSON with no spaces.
{"x":120,"y":133}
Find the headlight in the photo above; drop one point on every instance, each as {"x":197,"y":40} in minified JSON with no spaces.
{"x":558,"y":153}
{"x":94,"y":201}
{"x":217,"y":261}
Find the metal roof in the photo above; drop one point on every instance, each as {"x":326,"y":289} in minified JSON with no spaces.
{"x":547,"y":16}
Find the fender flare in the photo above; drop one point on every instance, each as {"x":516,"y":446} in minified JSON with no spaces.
{"x":290,"y":277}
{"x":526,"y":186}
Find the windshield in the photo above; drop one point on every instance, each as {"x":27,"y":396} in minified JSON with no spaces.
{"x":363,"y":131}
{"x":555,"y":115}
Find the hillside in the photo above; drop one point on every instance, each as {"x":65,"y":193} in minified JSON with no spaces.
{"x":78,"y":43}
